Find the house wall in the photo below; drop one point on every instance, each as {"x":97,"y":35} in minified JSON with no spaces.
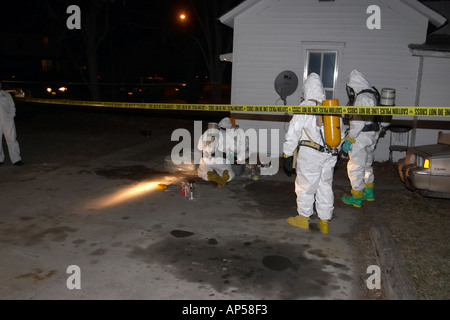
{"x":434,"y":92}
{"x":270,"y":37}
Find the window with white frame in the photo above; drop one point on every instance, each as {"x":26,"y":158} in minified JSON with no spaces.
{"x":325,"y":64}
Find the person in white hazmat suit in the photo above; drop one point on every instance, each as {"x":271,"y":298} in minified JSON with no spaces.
{"x":314,"y":168}
{"x":8,"y":128}
{"x":361,"y":142}
{"x":219,"y":148}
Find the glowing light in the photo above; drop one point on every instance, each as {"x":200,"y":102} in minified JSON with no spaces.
{"x":126,"y":194}
{"x":183,"y":17}
{"x":426,"y":164}
{"x":132,"y":192}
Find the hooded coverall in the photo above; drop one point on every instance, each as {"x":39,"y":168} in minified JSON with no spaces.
{"x":219,"y":147}
{"x":8,"y":127}
{"x":361,"y":154}
{"x":314,"y":168}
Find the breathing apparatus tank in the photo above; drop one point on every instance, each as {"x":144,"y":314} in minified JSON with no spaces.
{"x":387,"y":99}
{"x":332,"y":125}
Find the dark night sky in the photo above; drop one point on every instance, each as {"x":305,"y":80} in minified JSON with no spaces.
{"x":33,"y":15}
{"x":143,"y":36}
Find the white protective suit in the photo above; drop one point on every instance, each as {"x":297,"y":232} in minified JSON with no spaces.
{"x":219,"y":154}
{"x":314,"y":168}
{"x":361,"y":156}
{"x":8,"y":127}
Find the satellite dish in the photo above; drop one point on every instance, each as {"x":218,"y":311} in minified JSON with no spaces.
{"x":285,"y":84}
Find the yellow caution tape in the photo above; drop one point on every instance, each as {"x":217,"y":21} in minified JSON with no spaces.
{"x":349,"y":110}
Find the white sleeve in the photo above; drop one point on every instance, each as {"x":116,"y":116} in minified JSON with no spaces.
{"x":241,"y":146}
{"x":293,"y":135}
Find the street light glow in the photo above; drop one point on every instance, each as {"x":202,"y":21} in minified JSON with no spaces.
{"x":182,"y":16}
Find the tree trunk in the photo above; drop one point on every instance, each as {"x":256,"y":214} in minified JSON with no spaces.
{"x":93,"y":75}
{"x":216,"y":82}
{"x":93,"y":36}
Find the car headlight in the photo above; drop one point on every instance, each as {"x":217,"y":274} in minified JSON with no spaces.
{"x":62,"y":89}
{"x":49,"y":90}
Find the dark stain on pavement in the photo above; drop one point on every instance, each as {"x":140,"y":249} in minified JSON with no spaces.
{"x":32,"y":235}
{"x":212,"y":242}
{"x":271,"y":199}
{"x":181,"y":233}
{"x":261,"y":268}
{"x":271,"y":193}
{"x":36,"y":275}
{"x":276,"y":263}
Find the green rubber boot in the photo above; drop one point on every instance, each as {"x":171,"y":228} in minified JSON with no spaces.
{"x":368,"y":192}
{"x":355,"y":199}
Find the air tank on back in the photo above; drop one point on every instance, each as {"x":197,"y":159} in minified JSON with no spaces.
{"x":332,"y":125}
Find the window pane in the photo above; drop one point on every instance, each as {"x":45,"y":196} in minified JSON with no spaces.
{"x":314,"y":63}
{"x":329,"y":63}
{"x":329,"y":94}
{"x":47,"y":65}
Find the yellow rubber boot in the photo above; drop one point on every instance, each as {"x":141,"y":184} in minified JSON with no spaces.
{"x":212,"y":176}
{"x":224,"y":179}
{"x":323,"y":225}
{"x":299,"y":221}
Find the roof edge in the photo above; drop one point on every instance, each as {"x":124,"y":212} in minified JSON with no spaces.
{"x":435,"y":18}
{"x":423,"y":50}
{"x":228,"y":18}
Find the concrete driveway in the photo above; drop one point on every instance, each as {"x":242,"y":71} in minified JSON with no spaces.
{"x":101,"y":229}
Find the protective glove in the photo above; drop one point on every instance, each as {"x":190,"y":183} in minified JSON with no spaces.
{"x":288,"y":161}
{"x":347,"y":146}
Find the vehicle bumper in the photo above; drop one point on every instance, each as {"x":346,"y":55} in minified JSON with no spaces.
{"x":414,"y":177}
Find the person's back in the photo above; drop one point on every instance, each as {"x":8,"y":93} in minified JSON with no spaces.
{"x":315,"y":165}
{"x":8,"y":128}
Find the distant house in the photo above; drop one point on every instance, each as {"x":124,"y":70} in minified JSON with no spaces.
{"x":333,"y":38}
{"x":31,"y":56}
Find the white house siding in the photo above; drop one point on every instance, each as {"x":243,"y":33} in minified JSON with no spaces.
{"x":434,"y":91}
{"x":268,"y":39}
